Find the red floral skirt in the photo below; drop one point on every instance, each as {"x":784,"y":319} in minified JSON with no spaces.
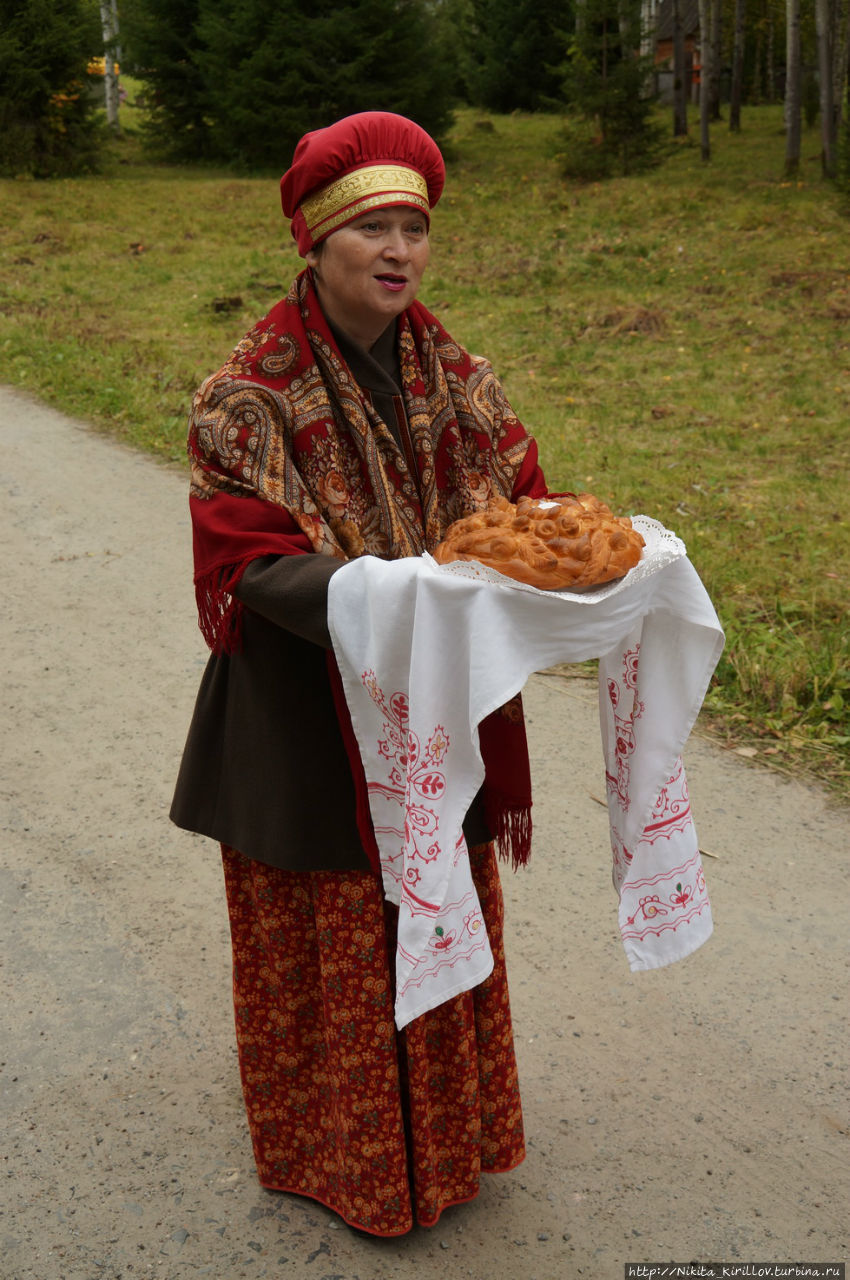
{"x":383,"y":1127}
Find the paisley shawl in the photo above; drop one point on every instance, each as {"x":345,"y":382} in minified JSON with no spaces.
{"x":289,"y":457}
{"x":284,"y":430}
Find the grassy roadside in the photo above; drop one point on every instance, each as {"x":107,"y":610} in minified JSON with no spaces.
{"x":679,"y":343}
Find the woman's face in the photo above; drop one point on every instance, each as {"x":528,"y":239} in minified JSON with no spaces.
{"x":368,"y":271}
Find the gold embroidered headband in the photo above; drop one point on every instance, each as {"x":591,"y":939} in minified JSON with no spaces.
{"x":373,"y":186}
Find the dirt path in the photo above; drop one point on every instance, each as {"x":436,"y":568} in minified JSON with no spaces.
{"x":697,"y":1112}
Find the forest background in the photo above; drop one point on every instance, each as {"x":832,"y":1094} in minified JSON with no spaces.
{"x":668,"y":310}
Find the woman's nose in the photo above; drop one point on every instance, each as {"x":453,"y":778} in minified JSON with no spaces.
{"x":396,"y":245}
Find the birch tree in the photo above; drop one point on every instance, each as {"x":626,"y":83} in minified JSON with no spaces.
{"x":109,"y":25}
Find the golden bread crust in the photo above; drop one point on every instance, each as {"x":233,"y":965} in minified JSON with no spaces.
{"x":578,"y":542}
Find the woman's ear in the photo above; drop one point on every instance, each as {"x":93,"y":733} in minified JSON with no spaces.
{"x":311,"y":257}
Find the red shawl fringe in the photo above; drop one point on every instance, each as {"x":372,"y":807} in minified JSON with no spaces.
{"x":219,"y":611}
{"x":511,"y":824}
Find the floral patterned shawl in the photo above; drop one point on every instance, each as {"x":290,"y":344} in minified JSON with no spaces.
{"x":284,"y":421}
{"x":289,"y":456}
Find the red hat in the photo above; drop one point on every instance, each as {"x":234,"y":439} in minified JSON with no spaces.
{"x":366,"y":161}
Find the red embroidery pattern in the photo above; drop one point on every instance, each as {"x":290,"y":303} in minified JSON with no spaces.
{"x":416,"y":783}
{"x":449,"y":944}
{"x":625,"y":702}
{"x":330,"y":1087}
{"x":672,"y":810}
{"x":683,"y":897}
{"x":671,"y":813}
{"x":673,"y":895}
{"x":415,"y":777}
{"x":677,"y":894}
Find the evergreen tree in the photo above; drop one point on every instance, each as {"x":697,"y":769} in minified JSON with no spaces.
{"x":161,"y":46}
{"x":456,"y":38}
{"x":517,"y":50}
{"x":47,"y":120}
{"x":608,"y":83}
{"x":242,"y":80}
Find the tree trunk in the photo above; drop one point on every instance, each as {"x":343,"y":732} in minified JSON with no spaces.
{"x":772,"y":94}
{"x":109,"y":25}
{"x":648,"y":27}
{"x":716,"y":55}
{"x":116,"y":30}
{"x":824,"y":28}
{"x":580,"y":17}
{"x":757,"y":86}
{"x":704,"y":80}
{"x":680,"y":87}
{"x":737,"y":69}
{"x":847,"y":99}
{"x":793,"y":81}
{"x":841,"y":80}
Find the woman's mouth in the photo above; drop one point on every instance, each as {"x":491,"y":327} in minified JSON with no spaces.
{"x":392,"y":282}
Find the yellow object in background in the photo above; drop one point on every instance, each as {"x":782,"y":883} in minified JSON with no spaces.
{"x":97,"y":67}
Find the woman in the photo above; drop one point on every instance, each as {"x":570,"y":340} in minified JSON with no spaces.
{"x":346,"y":423}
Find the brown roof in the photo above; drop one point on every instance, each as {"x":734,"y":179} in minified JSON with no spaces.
{"x":689,"y":10}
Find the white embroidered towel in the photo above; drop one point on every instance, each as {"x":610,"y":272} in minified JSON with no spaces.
{"x":426,"y":652}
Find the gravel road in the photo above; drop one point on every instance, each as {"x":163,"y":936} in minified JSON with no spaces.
{"x":697,"y":1112}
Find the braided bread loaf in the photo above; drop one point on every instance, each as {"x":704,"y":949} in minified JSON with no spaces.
{"x":574,"y":541}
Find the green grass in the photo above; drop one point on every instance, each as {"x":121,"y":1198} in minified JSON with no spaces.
{"x":678,"y":342}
